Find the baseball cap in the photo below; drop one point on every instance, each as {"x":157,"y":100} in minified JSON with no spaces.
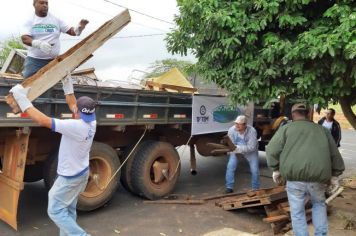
{"x":86,"y":108}
{"x":241,"y":120}
{"x":299,"y":107}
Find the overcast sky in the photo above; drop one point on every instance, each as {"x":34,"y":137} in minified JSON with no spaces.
{"x":118,"y":57}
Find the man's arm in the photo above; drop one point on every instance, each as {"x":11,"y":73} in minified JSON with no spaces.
{"x":251,"y":144}
{"x":274,"y":149}
{"x":39,"y":44}
{"x":76,"y":31}
{"x":39,"y":117}
{"x":337,"y":136}
{"x":20,"y":95}
{"x":337,"y":163}
{"x":26,"y":39}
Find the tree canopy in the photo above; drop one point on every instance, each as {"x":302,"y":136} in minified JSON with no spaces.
{"x":261,"y":49}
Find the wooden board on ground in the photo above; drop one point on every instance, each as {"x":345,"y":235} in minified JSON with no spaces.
{"x":57,"y":69}
{"x":253,"y":198}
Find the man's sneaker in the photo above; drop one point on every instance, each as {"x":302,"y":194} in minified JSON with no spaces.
{"x":229,"y":190}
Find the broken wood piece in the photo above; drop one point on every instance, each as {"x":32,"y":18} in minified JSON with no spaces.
{"x":222,"y":196}
{"x":11,"y":76}
{"x":184,"y":202}
{"x":217,"y":145}
{"x":273,"y":219}
{"x":57,"y":69}
{"x":217,"y":152}
{"x":257,"y":198}
{"x":334,"y":195}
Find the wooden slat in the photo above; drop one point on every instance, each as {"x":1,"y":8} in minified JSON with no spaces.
{"x":273,"y":219}
{"x":184,"y":202}
{"x":57,"y":69}
{"x":11,"y":177}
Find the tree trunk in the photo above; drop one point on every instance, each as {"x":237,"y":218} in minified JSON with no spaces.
{"x":346,"y":109}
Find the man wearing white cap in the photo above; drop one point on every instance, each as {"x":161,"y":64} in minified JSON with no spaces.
{"x":245,"y":138}
{"x":73,"y":156}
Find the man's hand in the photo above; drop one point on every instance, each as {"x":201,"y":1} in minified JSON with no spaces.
{"x":235,"y":151}
{"x":42,"y":45}
{"x":20,"y":95}
{"x":68,"y":85}
{"x":334,"y":184}
{"x":78,"y":30}
{"x":277,"y":178}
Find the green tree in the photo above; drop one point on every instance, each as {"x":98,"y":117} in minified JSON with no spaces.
{"x":261,"y":49}
{"x":7,"y":45}
{"x":157,"y":68}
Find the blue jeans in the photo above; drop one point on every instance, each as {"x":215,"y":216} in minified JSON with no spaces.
{"x":252,"y":159}
{"x":32,"y":65}
{"x":297,"y":192}
{"x":62,"y":203}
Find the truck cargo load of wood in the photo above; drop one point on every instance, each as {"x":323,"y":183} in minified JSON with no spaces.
{"x":57,"y":69}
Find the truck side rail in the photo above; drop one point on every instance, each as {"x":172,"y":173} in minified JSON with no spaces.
{"x":115,"y":106}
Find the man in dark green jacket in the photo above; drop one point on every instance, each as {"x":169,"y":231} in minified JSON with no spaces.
{"x":305,"y":155}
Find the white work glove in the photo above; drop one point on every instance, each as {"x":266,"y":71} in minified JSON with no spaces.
{"x":334,"y":184}
{"x":236,"y":150}
{"x":68,"y":85}
{"x":42,"y":45}
{"x":78,"y":30}
{"x":277,"y":178}
{"x":20,"y":95}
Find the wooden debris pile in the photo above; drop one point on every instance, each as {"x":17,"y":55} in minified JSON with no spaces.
{"x":273,"y":200}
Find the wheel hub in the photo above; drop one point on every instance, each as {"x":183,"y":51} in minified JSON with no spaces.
{"x":160,"y":171}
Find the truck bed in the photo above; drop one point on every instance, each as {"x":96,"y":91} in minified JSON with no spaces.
{"x":116,"y":106}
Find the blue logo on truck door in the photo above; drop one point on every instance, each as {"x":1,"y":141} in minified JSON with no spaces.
{"x":225,"y":113}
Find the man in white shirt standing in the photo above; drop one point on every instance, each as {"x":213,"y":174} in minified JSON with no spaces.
{"x":329,"y":122}
{"x":73,"y":156}
{"x":41,"y":33}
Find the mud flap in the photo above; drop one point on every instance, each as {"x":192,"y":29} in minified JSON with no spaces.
{"x":12,"y":173}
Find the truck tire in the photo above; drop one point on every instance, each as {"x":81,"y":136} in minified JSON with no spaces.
{"x":34,"y":172}
{"x":142,"y":169}
{"x":103,"y":163}
{"x":50,"y":169}
{"x":126,"y":169}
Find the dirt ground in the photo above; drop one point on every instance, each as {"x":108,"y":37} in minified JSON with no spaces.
{"x":128,"y":215}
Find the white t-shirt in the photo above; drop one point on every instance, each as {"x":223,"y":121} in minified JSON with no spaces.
{"x":328,"y":124}
{"x":77,"y":138}
{"x":46,"y":29}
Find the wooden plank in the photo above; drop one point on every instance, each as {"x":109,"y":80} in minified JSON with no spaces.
{"x":185,"y":202}
{"x":57,"y":69}
{"x":11,"y":76}
{"x":272,"y":219}
{"x":278,"y":196}
{"x":222,"y":196}
{"x":11,"y":177}
{"x":245,"y":204}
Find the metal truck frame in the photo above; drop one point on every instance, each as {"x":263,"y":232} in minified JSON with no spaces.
{"x":29,"y":153}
